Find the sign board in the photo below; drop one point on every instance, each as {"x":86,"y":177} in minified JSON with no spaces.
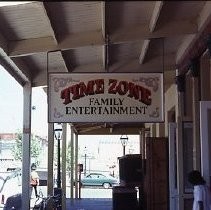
{"x":105,"y":97}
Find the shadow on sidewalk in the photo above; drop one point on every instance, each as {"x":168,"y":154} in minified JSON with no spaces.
{"x":89,"y":204}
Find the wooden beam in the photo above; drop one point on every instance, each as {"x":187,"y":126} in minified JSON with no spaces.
{"x":56,"y":62}
{"x":153,"y":65}
{"x":155,"y":15}
{"x":20,"y":76}
{"x":25,"y":70}
{"x":103,"y":18}
{"x":116,"y":131}
{"x":170,"y":29}
{"x":205,"y":15}
{"x":103,"y":33}
{"x":152,"y":25}
{"x":53,"y":32}
{"x":3,"y":43}
{"x":49,"y":22}
{"x":197,"y":43}
{"x":133,"y":66}
{"x":144,"y":49}
{"x":45,"y":44}
{"x":184,"y":46}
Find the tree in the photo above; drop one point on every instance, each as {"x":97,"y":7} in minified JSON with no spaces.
{"x":68,"y":158}
{"x":35,"y":147}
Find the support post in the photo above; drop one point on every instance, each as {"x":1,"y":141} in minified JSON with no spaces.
{"x":50,"y":181}
{"x":72,"y":163}
{"x":76,"y":166}
{"x":195,"y":70}
{"x":58,"y":165}
{"x":64,"y":143}
{"x":27,"y":91}
{"x":179,"y":139}
{"x":123,"y":150}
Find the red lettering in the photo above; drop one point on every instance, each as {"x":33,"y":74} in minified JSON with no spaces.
{"x":112,"y":84}
{"x":75,"y":91}
{"x":122,"y":87}
{"x":146,"y":96}
{"x":81,"y":89}
{"x":65,"y":94}
{"x":86,"y":90}
{"x":99,"y":86}
{"x":133,"y":91}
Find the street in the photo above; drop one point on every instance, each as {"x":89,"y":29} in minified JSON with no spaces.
{"x":86,"y":192}
{"x":92,"y":192}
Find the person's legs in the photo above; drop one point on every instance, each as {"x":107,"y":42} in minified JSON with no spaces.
{"x":35,"y":190}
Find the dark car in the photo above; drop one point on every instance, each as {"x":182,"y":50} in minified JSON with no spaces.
{"x":98,"y":179}
{"x":13,"y":202}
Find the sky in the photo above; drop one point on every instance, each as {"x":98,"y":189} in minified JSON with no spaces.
{"x":11,"y":103}
{"x":11,"y":106}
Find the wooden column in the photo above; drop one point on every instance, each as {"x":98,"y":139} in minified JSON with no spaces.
{"x":50,"y":181}
{"x":196,"y":121}
{"x":76,"y":166}
{"x":195,"y":69}
{"x":27,"y":91}
{"x":64,"y":172}
{"x":179,"y":138}
{"x":72,"y":163}
{"x":205,"y":77}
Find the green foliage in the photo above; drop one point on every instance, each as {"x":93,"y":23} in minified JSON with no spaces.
{"x":68,"y":158}
{"x":17,"y":149}
{"x":35,"y":147}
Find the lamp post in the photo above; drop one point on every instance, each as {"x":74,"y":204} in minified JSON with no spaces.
{"x":85,"y":157}
{"x":58,"y":135}
{"x":124,"y":141}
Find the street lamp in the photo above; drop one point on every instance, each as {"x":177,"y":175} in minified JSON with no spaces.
{"x":124,"y":141}
{"x":58,"y":135}
{"x":85,"y":157}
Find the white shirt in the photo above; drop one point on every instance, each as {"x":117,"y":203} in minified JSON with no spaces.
{"x":201,"y":193}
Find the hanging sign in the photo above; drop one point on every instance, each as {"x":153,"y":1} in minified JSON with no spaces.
{"x":105,"y":97}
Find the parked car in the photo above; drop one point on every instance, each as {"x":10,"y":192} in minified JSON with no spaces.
{"x":98,"y":179}
{"x":10,"y":189}
{"x":14,"y":202}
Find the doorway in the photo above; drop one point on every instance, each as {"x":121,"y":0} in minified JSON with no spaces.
{"x":98,"y":154}
{"x":182,"y":198}
{"x":205,"y":136}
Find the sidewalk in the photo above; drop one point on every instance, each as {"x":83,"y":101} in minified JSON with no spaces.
{"x":85,"y":204}
{"x":89,"y":204}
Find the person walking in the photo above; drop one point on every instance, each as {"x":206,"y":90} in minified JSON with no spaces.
{"x":201,"y":192}
{"x":34,"y":180}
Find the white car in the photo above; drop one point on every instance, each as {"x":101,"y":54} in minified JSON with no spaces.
{"x":10,"y":186}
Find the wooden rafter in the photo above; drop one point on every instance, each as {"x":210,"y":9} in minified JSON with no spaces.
{"x":203,"y":20}
{"x":152,"y":25}
{"x":103,"y":33}
{"x":53,"y":33}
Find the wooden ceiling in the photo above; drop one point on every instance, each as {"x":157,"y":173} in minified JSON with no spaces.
{"x":88,"y":36}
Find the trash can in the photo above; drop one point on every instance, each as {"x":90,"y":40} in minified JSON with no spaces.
{"x":124,"y":198}
{"x":130,"y":170}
